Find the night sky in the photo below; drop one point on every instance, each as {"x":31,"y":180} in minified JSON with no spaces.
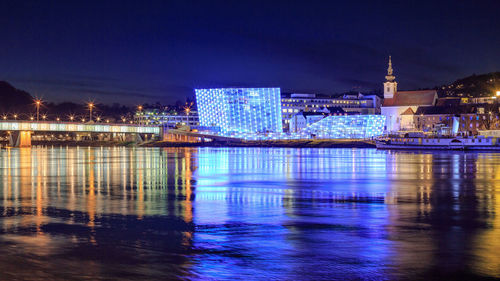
{"x":134,"y":52}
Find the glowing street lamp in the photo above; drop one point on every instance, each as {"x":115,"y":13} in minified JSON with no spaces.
{"x":139,"y":109}
{"x":71,"y":117}
{"x":58,"y":119}
{"x":44,"y":117}
{"x":91,"y":106}
{"x":15,"y":116}
{"x":5,"y":117}
{"x":187,"y":108}
{"x":38,"y":102}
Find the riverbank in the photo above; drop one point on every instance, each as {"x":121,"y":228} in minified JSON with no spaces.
{"x":331,"y":143}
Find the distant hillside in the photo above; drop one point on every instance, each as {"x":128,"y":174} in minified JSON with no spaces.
{"x":483,"y":85}
{"x":14,"y":100}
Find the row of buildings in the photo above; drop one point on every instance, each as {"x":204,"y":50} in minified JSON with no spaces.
{"x":251,"y":112}
{"x":424,"y":111}
{"x":298,"y":110}
{"x":259,"y":113}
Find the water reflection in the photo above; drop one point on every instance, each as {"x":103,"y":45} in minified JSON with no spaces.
{"x":258,"y":213}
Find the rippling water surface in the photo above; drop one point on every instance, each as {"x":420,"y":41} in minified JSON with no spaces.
{"x":248,"y":213}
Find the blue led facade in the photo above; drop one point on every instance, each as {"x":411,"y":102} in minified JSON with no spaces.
{"x":347,"y":127}
{"x":240,"y":111}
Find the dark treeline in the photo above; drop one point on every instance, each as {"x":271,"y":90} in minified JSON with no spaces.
{"x":20,"y":105}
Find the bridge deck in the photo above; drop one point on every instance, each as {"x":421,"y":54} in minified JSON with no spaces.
{"x":76,"y":127}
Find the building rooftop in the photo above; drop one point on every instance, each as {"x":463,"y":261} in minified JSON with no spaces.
{"x":409,"y":111}
{"x":448,"y":102}
{"x":450,"y":110}
{"x":412,"y":98}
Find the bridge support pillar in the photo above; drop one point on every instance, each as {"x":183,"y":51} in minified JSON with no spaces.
{"x":138,"y":138}
{"x":20,"y":139}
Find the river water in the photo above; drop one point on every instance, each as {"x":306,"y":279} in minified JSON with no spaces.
{"x":247,"y":213}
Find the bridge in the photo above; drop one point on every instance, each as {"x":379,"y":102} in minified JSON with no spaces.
{"x":21,"y":131}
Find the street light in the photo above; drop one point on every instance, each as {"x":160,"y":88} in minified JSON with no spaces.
{"x":139,"y":108}
{"x":44,"y":116}
{"x":71,"y":117}
{"x":91,"y":106}
{"x":15,"y":116}
{"x":187,"y":108}
{"x":38,"y":102}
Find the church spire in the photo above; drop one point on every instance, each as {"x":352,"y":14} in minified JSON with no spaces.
{"x":389,"y":76}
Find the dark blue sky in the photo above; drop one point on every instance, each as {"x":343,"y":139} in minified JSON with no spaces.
{"x":144,"y":51}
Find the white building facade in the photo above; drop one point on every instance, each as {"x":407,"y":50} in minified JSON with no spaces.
{"x":399,"y":107}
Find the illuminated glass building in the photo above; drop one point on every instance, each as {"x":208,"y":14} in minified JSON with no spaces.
{"x":347,"y":127}
{"x":240,"y":111}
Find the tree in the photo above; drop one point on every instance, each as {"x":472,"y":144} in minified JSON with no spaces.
{"x":489,"y":121}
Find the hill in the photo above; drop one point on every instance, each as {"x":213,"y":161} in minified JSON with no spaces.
{"x":14,"y":100}
{"x":484,"y":85}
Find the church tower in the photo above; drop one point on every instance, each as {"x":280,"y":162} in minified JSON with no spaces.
{"x":390,"y":86}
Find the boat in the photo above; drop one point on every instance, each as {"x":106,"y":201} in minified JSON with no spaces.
{"x":439,"y":143}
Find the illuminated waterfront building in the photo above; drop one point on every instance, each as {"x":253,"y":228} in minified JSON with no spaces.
{"x":293,"y":103}
{"x":240,"y":111}
{"x":347,"y":127}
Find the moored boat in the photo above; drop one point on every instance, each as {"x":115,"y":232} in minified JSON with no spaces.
{"x":440,"y":143}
